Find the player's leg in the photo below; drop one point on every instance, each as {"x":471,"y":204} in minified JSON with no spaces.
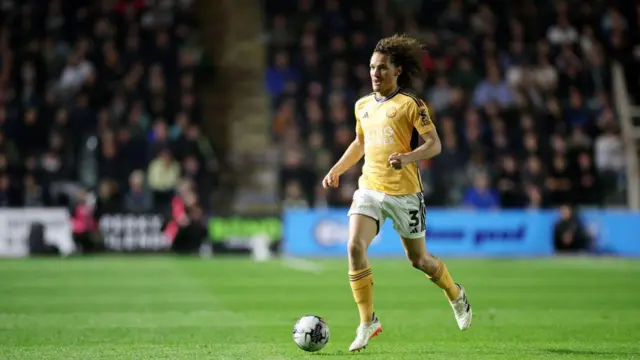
{"x":432,"y":266}
{"x":408,"y":215}
{"x":364,"y":222}
{"x":362,"y":230}
{"x":436,"y":270}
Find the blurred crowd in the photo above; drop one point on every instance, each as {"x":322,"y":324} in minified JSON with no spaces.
{"x":520,"y":92}
{"x":98,"y":107}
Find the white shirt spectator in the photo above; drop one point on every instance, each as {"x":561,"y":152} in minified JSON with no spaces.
{"x":609,"y":153}
{"x":545,"y":76}
{"x":441,"y":95}
{"x":562,"y":33}
{"x":74,"y":75}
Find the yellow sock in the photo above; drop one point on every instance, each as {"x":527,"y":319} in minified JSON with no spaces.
{"x":362,"y":288}
{"x":443,"y":279}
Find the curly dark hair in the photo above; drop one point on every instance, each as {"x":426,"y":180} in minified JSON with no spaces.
{"x":403,"y":51}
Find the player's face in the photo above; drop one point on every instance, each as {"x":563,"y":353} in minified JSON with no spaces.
{"x":384,"y":75}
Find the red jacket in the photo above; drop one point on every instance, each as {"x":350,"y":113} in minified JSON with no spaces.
{"x":177,"y":213}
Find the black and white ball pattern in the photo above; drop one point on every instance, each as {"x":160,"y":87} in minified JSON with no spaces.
{"x":311,"y":333}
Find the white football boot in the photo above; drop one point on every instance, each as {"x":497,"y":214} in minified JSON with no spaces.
{"x":364,"y":333}
{"x":462,"y":309}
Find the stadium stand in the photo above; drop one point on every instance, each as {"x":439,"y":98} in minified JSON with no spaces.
{"x":100,"y":96}
{"x":520,"y":92}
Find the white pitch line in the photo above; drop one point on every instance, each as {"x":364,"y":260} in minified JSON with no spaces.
{"x":302,"y":265}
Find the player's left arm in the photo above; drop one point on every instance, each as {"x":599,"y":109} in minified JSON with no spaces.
{"x":419,"y":117}
{"x":429,"y":149}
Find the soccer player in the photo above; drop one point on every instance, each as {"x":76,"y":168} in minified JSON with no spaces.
{"x":390,"y":185}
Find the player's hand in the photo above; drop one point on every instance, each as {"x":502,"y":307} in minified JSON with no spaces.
{"x":332,"y":180}
{"x":397,"y":160}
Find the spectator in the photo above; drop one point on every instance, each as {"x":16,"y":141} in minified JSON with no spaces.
{"x":293,"y":197}
{"x":74,"y":74}
{"x":279,"y":73}
{"x":441,"y":95}
{"x":54,"y":169}
{"x":580,"y":140}
{"x":7,"y":192}
{"x":562,"y":32}
{"x":31,"y":133}
{"x":558,"y":182}
{"x":532,"y":146}
{"x":191,"y":170}
{"x":164,"y":173}
{"x":9,"y":149}
{"x":138,"y":199}
{"x":449,"y":164}
{"x":477,"y":165}
{"x":534,"y":198}
{"x":34,"y":194}
{"x":179,"y":126}
{"x":108,"y":161}
{"x":501,"y":145}
{"x":280,"y":35}
{"x":83,"y":222}
{"x":588,"y":188}
{"x":609,"y":158}
{"x":108,"y":201}
{"x":295,"y":169}
{"x":533,"y":173}
{"x":158,"y":138}
{"x":569,"y":234}
{"x":178,"y":209}
{"x":493,"y":89}
{"x":545,"y":76}
{"x":577,"y":114}
{"x":192,"y":230}
{"x":133,"y":154}
{"x":481,"y":195}
{"x":509,"y":184}
{"x":465,"y":76}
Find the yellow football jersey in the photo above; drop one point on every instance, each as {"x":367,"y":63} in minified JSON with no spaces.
{"x":387,"y":126}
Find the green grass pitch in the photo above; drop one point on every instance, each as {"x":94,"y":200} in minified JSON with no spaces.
{"x":183,"y":308}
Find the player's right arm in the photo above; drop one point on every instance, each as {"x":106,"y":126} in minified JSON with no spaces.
{"x":351,"y":156}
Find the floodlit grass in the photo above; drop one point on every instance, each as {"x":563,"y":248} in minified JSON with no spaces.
{"x":182,"y":308}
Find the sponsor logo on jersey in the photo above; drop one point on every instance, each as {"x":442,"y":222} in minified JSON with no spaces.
{"x":379,"y":136}
{"x":425,"y":119}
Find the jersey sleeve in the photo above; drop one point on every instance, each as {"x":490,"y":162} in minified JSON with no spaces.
{"x":420,"y":118}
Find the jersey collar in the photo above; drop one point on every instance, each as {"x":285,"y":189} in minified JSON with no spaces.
{"x":383,"y":99}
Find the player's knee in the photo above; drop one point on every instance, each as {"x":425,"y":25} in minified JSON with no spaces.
{"x":356,"y":246}
{"x":430,"y":264}
{"x":417,"y":260}
{"x":418,"y":264}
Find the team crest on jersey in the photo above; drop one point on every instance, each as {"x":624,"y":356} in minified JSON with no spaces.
{"x":391,"y":112}
{"x":425,"y":119}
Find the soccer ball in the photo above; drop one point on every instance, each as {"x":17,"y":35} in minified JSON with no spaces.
{"x":311,"y":333}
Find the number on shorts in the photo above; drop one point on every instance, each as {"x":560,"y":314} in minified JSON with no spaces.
{"x":417,"y":216}
{"x":415,"y":221}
